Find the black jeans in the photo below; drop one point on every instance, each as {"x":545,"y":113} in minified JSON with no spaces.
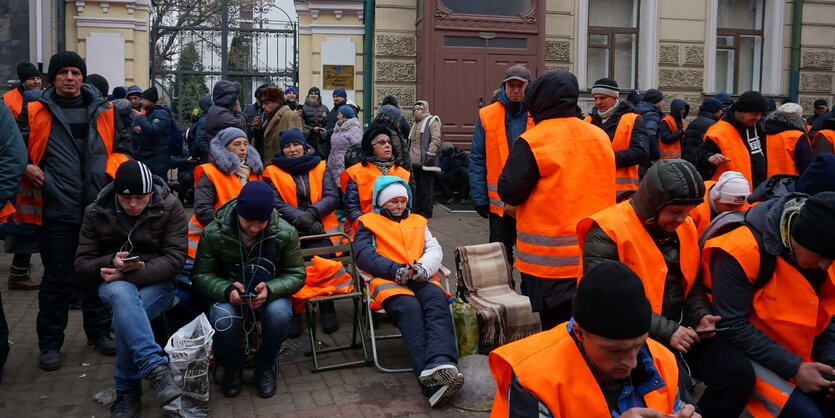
{"x":726,"y":372}
{"x":456,"y":181}
{"x":424,"y":192}
{"x":186,"y":183}
{"x":59,"y":283}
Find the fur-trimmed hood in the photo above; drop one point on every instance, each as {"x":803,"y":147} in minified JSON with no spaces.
{"x":777,"y":122}
{"x":226,"y":161}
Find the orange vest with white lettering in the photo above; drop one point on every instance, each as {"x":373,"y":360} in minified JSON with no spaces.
{"x":780,"y":152}
{"x":637,"y":249}
{"x":496,"y":150}
{"x":286,"y":187}
{"x":731,"y":145}
{"x":673,"y":150}
{"x":577,"y":172}
{"x":227,"y":187}
{"x":401,"y":242}
{"x":551,"y":367}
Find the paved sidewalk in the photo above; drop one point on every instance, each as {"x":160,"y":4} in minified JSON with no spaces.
{"x":356,"y":392}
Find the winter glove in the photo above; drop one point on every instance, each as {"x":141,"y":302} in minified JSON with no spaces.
{"x":418,"y":273}
{"x":316,"y":229}
{"x":402,"y":276}
{"x":431,"y":160}
{"x":303,"y":223}
{"x":312,"y":212}
{"x":483,"y":210}
{"x":681,"y":134}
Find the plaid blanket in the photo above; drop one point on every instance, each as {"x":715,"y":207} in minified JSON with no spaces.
{"x":484,"y":276}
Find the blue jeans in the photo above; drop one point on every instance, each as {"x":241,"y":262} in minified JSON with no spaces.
{"x":133,"y":309}
{"x":227,"y":321}
{"x":801,"y":404}
{"x":426,"y":325}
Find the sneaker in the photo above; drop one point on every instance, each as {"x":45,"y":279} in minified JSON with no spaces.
{"x":295,"y":330}
{"x":50,"y":360}
{"x":265,"y":382}
{"x":446,"y":392}
{"x":163,"y":384}
{"x":329,"y":322}
{"x":127,"y":405}
{"x":438,"y":375}
{"x":105,"y":345}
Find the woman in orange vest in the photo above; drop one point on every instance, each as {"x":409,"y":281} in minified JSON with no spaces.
{"x":396,"y":247}
{"x":357,"y":181}
{"x":599,"y":364}
{"x":306,"y":197}
{"x":652,"y":234}
{"x":788,"y":149}
{"x":782,"y":321}
{"x":728,"y":194}
{"x":234,"y":163}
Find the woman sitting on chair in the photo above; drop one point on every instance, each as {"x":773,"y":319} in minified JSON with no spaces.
{"x":306,"y":197}
{"x":396,"y":247}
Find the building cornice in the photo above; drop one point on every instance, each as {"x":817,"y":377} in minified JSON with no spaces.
{"x":338,"y":8}
{"x":105,"y":5}
{"x":110,"y":22}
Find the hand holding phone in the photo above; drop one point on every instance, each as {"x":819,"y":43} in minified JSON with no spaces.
{"x":711,"y":331}
{"x":130,"y":259}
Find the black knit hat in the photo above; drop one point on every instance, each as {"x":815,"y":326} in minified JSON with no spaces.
{"x":710,"y":105}
{"x":369,"y":136}
{"x":314,"y":90}
{"x":255,"y":201}
{"x":653,"y":96}
{"x":611,"y":302}
{"x":750,"y":101}
{"x":814,"y":224}
{"x":100,"y":83}
{"x":25,"y":71}
{"x":605,"y":86}
{"x":133,"y":178}
{"x":63,"y":59}
{"x":151,"y":95}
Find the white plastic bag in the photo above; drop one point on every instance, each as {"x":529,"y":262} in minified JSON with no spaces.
{"x":188,"y":354}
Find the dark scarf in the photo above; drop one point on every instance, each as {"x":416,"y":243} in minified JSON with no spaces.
{"x":298,"y":165}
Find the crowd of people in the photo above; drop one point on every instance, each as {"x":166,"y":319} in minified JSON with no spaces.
{"x":655,"y":251}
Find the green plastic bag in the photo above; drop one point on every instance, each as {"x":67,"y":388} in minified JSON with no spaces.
{"x":466,"y":327}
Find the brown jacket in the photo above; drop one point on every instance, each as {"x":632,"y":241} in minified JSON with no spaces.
{"x":282,"y":120}
{"x":158,"y":236}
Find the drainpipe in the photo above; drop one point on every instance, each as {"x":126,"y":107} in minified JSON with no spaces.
{"x":794,"y":75}
{"x":368,"y":61}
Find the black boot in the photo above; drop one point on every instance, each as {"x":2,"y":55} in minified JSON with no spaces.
{"x":163,"y":384}
{"x":295,"y":330}
{"x":232,"y":381}
{"x":329,"y":322}
{"x":265,"y":382}
{"x":127,"y":405}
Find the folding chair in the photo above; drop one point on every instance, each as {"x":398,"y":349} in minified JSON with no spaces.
{"x":484,"y":275}
{"x":343,"y":253}
{"x":443,"y":273}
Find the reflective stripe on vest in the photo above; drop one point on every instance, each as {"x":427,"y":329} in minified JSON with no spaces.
{"x":637,"y":249}
{"x":324,"y":278}
{"x":673,"y":150}
{"x":786,"y":309}
{"x":551,"y":367}
{"x":626,"y":178}
{"x":496,"y":150}
{"x":227,"y":188}
{"x":286,"y":187}
{"x":29,"y":202}
{"x":364,"y":176}
{"x":14,"y":100}
{"x":780,"y":151}
{"x":401,"y":242}
{"x":576,"y":180}
{"x":731,"y":145}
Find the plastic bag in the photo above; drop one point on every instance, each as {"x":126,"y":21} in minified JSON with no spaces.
{"x":188,"y":355}
{"x":466,"y":327}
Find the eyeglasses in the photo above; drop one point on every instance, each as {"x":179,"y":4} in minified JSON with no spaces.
{"x":382,"y":142}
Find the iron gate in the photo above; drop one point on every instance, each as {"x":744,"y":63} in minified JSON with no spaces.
{"x":194,"y":44}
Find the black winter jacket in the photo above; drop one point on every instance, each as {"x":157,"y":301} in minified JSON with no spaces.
{"x":152,"y":143}
{"x":652,"y":120}
{"x":12,"y":155}
{"x":221,"y":115}
{"x":639,"y":143}
{"x":758,"y":161}
{"x":693,"y":138}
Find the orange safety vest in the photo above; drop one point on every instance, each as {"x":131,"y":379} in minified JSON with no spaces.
{"x":701,"y":213}
{"x":492,"y":119}
{"x":364,"y":176}
{"x":626,"y":178}
{"x":780,"y":151}
{"x":669,"y":151}
{"x":14,"y":100}
{"x":324,"y":278}
{"x":638,"y":251}
{"x":401,"y":242}
{"x":826,"y":135}
{"x":786,"y":309}
{"x":29,"y":203}
{"x":227,"y":187}
{"x":577,"y":172}
{"x":730,"y":144}
{"x":550,"y":366}
{"x":286,"y":187}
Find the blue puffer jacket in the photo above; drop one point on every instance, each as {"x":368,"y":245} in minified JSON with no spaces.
{"x":652,"y":118}
{"x":515,"y":125}
{"x":152,"y":146}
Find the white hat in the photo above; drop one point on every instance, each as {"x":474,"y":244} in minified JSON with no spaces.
{"x":732,"y":188}
{"x":390,"y":192}
{"x":793,"y":109}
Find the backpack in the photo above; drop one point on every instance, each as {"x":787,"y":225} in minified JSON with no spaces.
{"x":730,"y":221}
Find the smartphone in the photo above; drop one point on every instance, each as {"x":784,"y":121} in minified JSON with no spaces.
{"x":711,"y":331}
{"x":828,"y":376}
{"x":131,"y":259}
{"x":244,"y":295}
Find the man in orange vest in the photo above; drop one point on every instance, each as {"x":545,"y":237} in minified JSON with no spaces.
{"x":823,"y":141}
{"x":735,"y":143}
{"x":652,"y":235}
{"x":672,"y":132}
{"x":557,"y":173}
{"x":774,"y":287}
{"x":788,"y":147}
{"x":728,"y":194}
{"x":599,"y":364}
{"x":30,"y":79}
{"x":497,"y":126}
{"x":75,"y":139}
